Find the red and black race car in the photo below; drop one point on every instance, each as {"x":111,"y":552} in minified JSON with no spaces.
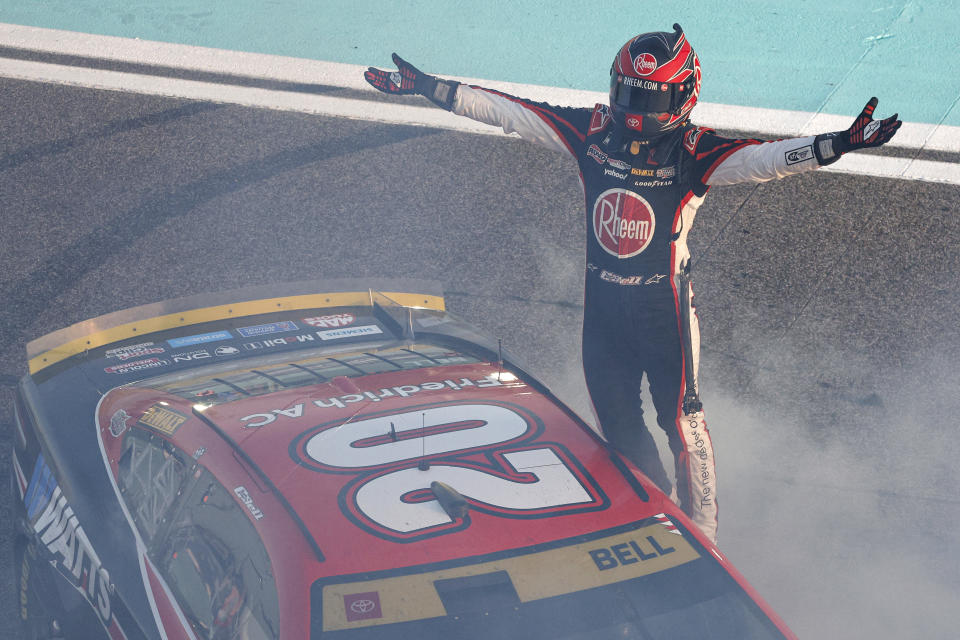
{"x":357,"y":464}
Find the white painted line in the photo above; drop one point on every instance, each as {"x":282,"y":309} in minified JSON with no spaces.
{"x":767,"y":122}
{"x":773,"y":122}
{"x":894,"y":167}
{"x":394,"y":113}
{"x":179,"y":56}
{"x":783,"y":123}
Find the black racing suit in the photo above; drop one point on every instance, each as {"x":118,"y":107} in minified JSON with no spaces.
{"x":641,"y":198}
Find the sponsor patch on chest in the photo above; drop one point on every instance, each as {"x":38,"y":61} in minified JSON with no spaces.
{"x":622,"y":222}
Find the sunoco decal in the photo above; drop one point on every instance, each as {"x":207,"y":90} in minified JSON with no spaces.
{"x":598,"y":155}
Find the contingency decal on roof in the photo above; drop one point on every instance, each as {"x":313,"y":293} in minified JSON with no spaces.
{"x":162,"y":419}
{"x":57,"y":347}
{"x":484,"y":450}
{"x":349,"y":332}
{"x":150,"y":359}
{"x":142,"y":350}
{"x":266,"y":329}
{"x":331,"y":321}
{"x":200,"y":338}
{"x":59,"y":530}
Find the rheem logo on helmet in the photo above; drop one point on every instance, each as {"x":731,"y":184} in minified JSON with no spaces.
{"x":623,"y":223}
{"x":645,"y":64}
{"x":654,"y":82}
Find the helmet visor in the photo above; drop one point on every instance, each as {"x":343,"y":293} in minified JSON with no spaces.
{"x":648,"y":96}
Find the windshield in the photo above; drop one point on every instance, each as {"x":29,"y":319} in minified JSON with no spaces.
{"x":648,"y":580}
{"x":219,"y":384}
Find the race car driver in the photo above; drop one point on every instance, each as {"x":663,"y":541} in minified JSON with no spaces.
{"x":645,"y":169}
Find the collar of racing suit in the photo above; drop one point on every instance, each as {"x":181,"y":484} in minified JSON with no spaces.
{"x":659,"y":148}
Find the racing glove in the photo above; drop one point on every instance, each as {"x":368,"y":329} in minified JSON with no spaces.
{"x":865,"y":132}
{"x":407,"y":79}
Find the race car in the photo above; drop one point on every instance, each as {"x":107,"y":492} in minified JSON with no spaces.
{"x":342,"y":460}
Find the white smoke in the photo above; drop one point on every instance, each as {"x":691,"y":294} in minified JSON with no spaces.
{"x":839,"y":509}
{"x":851,"y":535}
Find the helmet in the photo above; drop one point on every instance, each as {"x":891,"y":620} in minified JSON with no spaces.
{"x":654,"y":82}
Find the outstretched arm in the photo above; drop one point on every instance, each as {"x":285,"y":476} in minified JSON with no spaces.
{"x":758,"y":161}
{"x":407,"y":79}
{"x":864,"y":132}
{"x":557,"y":128}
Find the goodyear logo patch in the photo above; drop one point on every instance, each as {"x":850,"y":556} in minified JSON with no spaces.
{"x":162,"y":419}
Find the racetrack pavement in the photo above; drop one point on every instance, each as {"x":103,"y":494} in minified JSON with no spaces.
{"x":828,"y":306}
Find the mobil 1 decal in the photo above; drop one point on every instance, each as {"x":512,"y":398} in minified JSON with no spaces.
{"x":487,"y":451}
{"x":623,"y":222}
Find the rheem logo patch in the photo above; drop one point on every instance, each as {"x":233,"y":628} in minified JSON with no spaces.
{"x":645,"y":64}
{"x":623,"y":222}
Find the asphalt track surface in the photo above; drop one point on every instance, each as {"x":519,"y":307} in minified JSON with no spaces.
{"x":828,"y":307}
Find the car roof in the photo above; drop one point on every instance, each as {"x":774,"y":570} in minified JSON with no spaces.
{"x":352,"y":459}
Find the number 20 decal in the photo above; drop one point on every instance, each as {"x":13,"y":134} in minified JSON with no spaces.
{"x":391,"y":497}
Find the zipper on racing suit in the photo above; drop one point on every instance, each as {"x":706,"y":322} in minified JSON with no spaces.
{"x":691,"y":399}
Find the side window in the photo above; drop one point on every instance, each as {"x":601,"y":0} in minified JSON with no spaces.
{"x":151,"y":473}
{"x":201,"y":540}
{"x":215,"y":563}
